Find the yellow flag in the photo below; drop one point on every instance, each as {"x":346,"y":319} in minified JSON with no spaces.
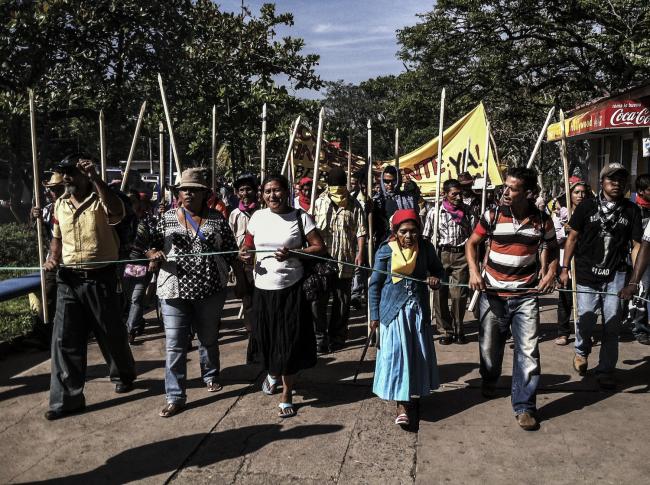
{"x":421,"y":164}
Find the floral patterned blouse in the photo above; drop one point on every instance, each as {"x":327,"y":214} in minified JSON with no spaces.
{"x":193,"y":277}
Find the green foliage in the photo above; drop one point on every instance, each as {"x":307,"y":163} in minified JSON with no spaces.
{"x":518,"y":57}
{"x":15,"y":318}
{"x":17,"y":246}
{"x":81,"y":56}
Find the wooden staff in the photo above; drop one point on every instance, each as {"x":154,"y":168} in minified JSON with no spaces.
{"x":172,"y":140}
{"x":349,"y":160}
{"x":263,"y":146}
{"x":476,"y":294}
{"x":371,"y":249}
{"x":439,"y":168}
{"x":485,"y":167}
{"x":214,"y":147}
{"x":565,"y":164}
{"x":540,"y":138}
{"x":37,"y":202}
{"x":134,"y":144}
{"x":292,"y":140}
{"x":466,"y":161}
{"x":319,"y":140}
{"x":161,"y":162}
{"x":397,"y":151}
{"x":102,"y":145}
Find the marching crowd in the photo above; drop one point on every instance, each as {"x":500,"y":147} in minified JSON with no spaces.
{"x":290,"y":266}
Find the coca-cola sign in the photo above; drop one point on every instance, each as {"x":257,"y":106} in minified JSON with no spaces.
{"x":623,"y":117}
{"x":620,"y":114}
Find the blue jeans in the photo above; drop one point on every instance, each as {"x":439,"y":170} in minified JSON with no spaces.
{"x":521,"y":315}
{"x":137,"y":288}
{"x":639,"y":315}
{"x":610,"y":308}
{"x":178,"y":316}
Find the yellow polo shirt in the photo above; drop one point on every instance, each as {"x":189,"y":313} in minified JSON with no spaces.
{"x":86,"y":233}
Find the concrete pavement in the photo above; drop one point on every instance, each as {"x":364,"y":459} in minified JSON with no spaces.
{"x":342,"y":434}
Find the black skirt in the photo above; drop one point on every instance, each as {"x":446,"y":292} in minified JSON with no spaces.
{"x":284,"y":330}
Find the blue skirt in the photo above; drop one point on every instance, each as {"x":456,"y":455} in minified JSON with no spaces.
{"x":406,"y":361}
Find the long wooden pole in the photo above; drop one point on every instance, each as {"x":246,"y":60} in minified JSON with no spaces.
{"x":263,"y":146}
{"x":37,"y":202}
{"x":172,"y":140}
{"x":319,"y":140}
{"x":485,"y":167}
{"x":161,"y":162}
{"x":397,"y":150}
{"x":134,"y":144}
{"x":540,"y":138}
{"x":292,"y":140}
{"x":102,"y":145}
{"x":439,"y":168}
{"x":565,"y":165}
{"x":475,"y":295}
{"x":349,"y":171}
{"x":214,"y":147}
{"x":371,"y":249}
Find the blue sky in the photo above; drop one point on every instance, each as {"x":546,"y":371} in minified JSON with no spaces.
{"x":356,"y":39}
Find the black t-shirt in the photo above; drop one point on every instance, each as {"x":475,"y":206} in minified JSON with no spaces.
{"x":599,"y":253}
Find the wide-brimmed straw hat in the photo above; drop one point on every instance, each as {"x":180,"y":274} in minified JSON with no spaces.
{"x":55,"y":179}
{"x":194,"y":177}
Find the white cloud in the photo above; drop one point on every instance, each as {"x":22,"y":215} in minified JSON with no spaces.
{"x":347,"y":41}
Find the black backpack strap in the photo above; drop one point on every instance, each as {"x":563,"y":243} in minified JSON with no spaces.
{"x":301,"y":228}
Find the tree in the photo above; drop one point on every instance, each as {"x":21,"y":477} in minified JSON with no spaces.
{"x":81,"y":56}
{"x":519,"y":57}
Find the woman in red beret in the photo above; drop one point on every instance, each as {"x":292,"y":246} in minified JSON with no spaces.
{"x":406,"y":365}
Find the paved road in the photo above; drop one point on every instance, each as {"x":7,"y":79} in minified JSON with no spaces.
{"x":342,"y":434}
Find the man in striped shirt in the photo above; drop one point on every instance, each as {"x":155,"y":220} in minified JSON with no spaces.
{"x":516,"y":231}
{"x":455,"y":225}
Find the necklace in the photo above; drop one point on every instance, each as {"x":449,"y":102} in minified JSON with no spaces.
{"x":197,"y":228}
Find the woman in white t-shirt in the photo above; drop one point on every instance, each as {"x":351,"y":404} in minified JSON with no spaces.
{"x":282,"y":318}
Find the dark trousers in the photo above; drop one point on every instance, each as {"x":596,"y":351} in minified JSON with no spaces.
{"x":457,"y":271}
{"x":86,"y":303}
{"x":334,"y":331}
{"x":564,"y":310}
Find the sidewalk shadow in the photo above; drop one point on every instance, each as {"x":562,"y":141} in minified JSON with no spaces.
{"x":576,"y":400}
{"x":34,"y":384}
{"x":162,"y":457}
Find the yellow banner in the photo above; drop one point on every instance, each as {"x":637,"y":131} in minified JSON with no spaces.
{"x":421,"y":164}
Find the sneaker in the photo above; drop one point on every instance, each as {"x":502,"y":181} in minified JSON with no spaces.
{"x":580,"y":364}
{"x":446,"y":339}
{"x":643,"y":338}
{"x":606,"y":381}
{"x":561,"y":340}
{"x":527,"y":421}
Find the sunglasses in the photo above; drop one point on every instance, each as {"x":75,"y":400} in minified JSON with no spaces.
{"x":389,"y":181}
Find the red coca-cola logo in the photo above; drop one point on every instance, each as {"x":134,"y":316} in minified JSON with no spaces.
{"x":620,"y":117}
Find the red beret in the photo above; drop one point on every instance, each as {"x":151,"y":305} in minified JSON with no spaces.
{"x":305,"y":181}
{"x":405,"y":215}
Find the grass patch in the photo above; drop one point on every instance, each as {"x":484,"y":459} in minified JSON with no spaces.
{"x":15,"y":318}
{"x":17,"y":248}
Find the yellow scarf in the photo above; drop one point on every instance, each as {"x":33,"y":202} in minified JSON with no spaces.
{"x":339,"y":195}
{"x":402,"y":260}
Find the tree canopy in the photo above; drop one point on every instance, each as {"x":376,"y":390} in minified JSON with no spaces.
{"x":80,"y":56}
{"x":519,"y":57}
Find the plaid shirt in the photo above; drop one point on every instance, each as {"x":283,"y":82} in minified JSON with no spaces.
{"x":340,"y":227}
{"x":450,"y":232}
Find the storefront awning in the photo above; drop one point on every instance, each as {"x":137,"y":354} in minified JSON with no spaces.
{"x":610,"y":115}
